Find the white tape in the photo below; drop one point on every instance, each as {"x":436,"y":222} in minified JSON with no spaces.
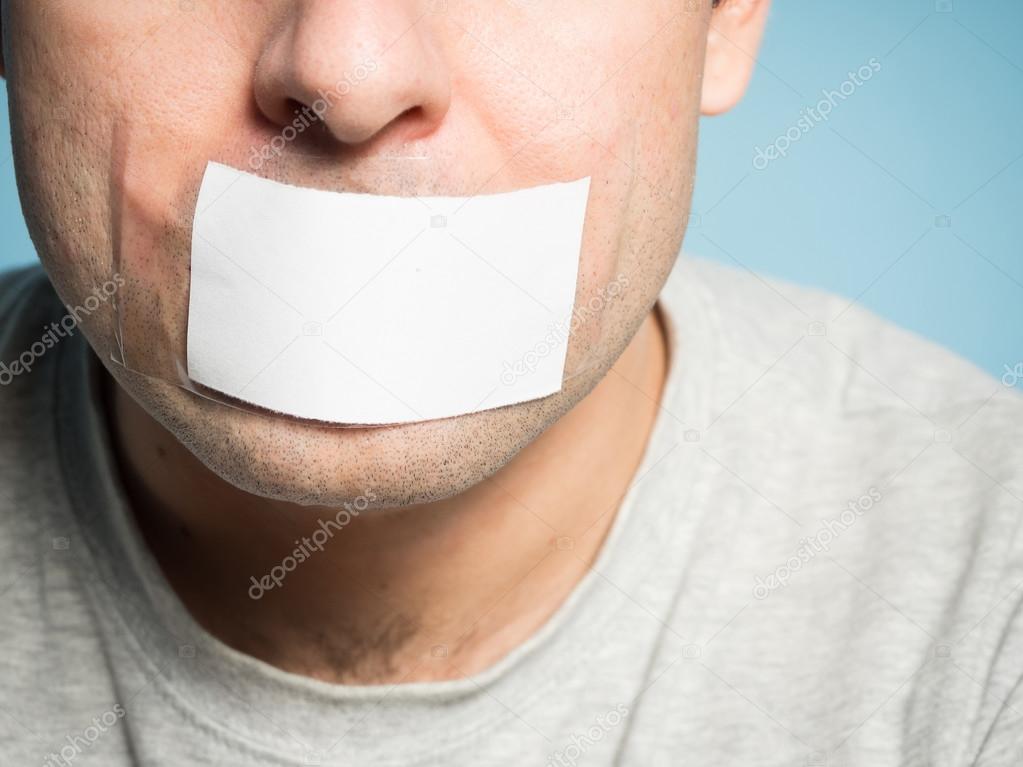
{"x":365,"y":309}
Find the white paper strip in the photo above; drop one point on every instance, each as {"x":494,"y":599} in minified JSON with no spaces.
{"x":365,"y":309}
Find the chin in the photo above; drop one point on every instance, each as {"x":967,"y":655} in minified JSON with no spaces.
{"x":284,"y":459}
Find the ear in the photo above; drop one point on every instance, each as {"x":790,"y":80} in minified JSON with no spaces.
{"x":736,"y":28}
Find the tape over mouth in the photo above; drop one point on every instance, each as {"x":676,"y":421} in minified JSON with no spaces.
{"x":350,"y":309}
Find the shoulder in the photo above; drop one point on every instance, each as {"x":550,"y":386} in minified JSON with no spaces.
{"x":808,"y":384}
{"x":827,"y":372}
{"x":821,"y":351}
{"x":28,"y":304}
{"x":44,"y":578}
{"x":29,"y":308}
{"x":883,"y":478}
{"x":16,"y":285}
{"x":30,"y":330}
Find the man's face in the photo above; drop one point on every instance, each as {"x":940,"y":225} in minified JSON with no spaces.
{"x":117,"y":108}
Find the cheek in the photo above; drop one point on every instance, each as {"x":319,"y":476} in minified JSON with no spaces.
{"x":90,"y":80}
{"x":641,"y":129}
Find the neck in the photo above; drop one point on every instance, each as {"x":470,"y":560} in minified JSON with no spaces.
{"x":438,"y":591}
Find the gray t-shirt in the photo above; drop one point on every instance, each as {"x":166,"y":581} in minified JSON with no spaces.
{"x":819,"y":563}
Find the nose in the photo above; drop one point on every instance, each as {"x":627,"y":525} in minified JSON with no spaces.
{"x":364,"y":67}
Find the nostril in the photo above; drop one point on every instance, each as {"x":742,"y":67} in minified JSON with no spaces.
{"x":412,"y":113}
{"x":298,"y":110}
{"x":413,"y":123}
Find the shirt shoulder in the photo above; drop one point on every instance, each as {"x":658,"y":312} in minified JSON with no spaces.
{"x":28,"y":307}
{"x":851,"y":358}
{"x":808,"y":382}
{"x":26,"y":298}
{"x":30,"y":482}
{"x":49,"y":629}
{"x":826,"y":371}
{"x":875,"y":482}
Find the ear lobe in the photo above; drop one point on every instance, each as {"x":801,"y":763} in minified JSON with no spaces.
{"x":733,"y":39}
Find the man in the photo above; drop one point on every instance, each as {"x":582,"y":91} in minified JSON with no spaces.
{"x":754,"y":526}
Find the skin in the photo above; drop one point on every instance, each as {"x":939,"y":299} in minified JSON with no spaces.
{"x":481,"y":524}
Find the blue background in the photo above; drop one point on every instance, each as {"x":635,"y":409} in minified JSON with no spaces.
{"x":909,"y":198}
